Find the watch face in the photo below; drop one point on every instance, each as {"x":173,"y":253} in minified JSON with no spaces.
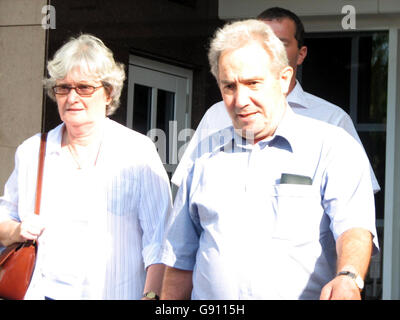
{"x":151,"y":295}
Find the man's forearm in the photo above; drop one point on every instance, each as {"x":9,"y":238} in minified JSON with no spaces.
{"x":177,"y":284}
{"x":354,"y":249}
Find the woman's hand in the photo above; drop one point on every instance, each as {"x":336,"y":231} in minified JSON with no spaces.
{"x":12,"y":231}
{"x":31,"y":228}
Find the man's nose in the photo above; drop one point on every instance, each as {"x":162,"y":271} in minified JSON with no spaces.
{"x":242,"y":97}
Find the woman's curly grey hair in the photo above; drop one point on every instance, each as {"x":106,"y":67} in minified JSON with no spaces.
{"x":235,"y":35}
{"x":88,"y":54}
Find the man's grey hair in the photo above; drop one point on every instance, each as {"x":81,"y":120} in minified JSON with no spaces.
{"x":237,"y":34}
{"x":88,"y":55}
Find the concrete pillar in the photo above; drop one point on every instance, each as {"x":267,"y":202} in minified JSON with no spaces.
{"x":22,"y":58}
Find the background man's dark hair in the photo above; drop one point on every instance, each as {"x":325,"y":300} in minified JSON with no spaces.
{"x":277,"y":13}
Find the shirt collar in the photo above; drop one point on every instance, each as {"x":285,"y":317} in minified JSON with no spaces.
{"x":284,"y":136}
{"x":288,"y":128}
{"x":54,"y":138}
{"x":296,"y":97}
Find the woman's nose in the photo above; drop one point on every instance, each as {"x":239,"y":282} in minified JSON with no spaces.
{"x":72,"y":95}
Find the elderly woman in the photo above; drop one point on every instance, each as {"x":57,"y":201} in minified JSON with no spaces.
{"x":105,"y":191}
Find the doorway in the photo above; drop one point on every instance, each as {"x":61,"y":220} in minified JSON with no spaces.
{"x":159,"y":106}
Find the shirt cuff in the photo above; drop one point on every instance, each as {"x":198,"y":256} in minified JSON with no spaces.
{"x":151,"y":254}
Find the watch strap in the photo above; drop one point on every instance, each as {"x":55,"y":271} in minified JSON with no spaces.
{"x":357,"y":279}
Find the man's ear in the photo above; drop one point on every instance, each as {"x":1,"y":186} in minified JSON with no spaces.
{"x":286,"y":75}
{"x":302,"y":55}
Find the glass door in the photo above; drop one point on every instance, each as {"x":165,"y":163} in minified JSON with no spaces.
{"x":159,"y":106}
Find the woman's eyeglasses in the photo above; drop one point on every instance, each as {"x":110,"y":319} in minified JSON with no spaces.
{"x":81,"y":89}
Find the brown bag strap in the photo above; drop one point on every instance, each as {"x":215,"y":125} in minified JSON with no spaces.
{"x":42,"y":153}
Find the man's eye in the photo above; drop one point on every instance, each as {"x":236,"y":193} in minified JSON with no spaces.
{"x":252,"y":83}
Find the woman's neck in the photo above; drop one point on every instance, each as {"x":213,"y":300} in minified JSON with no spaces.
{"x":83,"y":143}
{"x":83,"y":135}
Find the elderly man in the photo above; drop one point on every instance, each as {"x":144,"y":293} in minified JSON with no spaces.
{"x":282,"y":207}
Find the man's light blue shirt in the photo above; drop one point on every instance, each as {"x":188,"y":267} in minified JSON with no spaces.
{"x":246,"y":235}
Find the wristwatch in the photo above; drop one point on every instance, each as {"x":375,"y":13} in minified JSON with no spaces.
{"x":151,"y":295}
{"x":356,"y":277}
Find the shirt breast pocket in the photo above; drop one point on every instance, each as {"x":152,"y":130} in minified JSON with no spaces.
{"x":298,"y":212}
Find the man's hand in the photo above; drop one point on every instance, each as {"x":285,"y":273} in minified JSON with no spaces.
{"x":341,"y":288}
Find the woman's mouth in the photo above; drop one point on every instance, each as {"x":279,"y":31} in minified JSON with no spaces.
{"x":75,"y":109}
